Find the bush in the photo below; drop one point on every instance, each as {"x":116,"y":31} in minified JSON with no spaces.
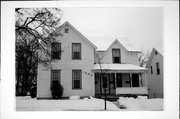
{"x":33,"y":91}
{"x":56,"y":90}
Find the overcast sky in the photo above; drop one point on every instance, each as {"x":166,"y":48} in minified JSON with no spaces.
{"x":142,"y":26}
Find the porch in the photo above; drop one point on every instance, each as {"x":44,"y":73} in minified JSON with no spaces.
{"x":118,"y":81}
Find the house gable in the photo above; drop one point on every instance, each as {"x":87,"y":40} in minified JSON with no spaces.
{"x":126,"y":56}
{"x":67,"y":24}
{"x":152,"y":56}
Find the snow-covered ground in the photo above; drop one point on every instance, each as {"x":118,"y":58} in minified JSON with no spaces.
{"x":141,"y":103}
{"x":92,"y":104}
{"x":76,"y":104}
{"x":26,"y":103}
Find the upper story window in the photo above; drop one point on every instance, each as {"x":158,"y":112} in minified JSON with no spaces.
{"x":156,"y":52}
{"x":76,"y":51}
{"x":157,"y":68}
{"x":66,"y":30}
{"x":56,"y":51}
{"x":151,"y":70}
{"x":116,"y":55}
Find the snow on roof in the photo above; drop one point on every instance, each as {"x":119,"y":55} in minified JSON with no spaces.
{"x":120,"y":67}
{"x":103,"y":43}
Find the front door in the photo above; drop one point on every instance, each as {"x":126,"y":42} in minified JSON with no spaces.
{"x":112,"y":85}
{"x":105,"y":84}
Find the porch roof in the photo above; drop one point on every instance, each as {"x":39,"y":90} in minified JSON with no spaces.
{"x":119,"y":67}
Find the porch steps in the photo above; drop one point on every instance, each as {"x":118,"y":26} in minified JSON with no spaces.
{"x":108,"y":97}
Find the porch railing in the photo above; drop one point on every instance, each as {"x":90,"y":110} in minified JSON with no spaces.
{"x":131,"y":90}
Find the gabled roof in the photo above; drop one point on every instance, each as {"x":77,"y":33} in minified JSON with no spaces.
{"x":151,"y":57}
{"x":67,"y":23}
{"x":101,"y":54}
{"x":103,"y":43}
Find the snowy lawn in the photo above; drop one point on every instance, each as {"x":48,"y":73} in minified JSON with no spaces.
{"x":29,"y":104}
{"x":92,"y":104}
{"x":141,"y":104}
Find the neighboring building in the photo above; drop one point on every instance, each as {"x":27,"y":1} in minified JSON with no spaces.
{"x":155,"y":74}
{"x":77,"y":68}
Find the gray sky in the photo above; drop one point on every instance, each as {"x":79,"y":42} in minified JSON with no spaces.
{"x":142,"y":26}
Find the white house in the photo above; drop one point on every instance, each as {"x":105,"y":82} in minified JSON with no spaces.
{"x":155,"y":74}
{"x":78,"y":70}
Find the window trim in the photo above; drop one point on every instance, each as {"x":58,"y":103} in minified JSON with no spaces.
{"x":51,"y":79}
{"x":52,"y":58}
{"x":73,"y":52}
{"x":157,"y":68}
{"x":119,"y":55}
{"x":80,"y":80}
{"x":66,"y":30}
{"x":151,"y":68}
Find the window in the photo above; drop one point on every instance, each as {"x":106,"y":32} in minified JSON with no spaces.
{"x":157,"y":68}
{"x":56,"y":51}
{"x":76,"y":79}
{"x":55,"y":75}
{"x":116,"y":55}
{"x":151,"y":70}
{"x":76,"y":51}
{"x":156,"y":52}
{"x":66,"y":30}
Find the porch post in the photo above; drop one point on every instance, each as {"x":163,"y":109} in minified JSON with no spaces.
{"x":115,"y":81}
{"x":145,"y":78}
{"x":131,"y":81}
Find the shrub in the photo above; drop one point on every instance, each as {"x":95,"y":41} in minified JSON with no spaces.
{"x":56,"y":90}
{"x":33,"y":91}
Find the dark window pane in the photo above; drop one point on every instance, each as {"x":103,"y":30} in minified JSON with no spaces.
{"x":116,"y":60}
{"x":77,"y":84}
{"x":76,"y":55}
{"x":56,"y":55}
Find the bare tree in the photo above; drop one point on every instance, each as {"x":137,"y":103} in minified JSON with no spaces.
{"x":143,"y":58}
{"x":35,"y":30}
{"x":102,"y":73}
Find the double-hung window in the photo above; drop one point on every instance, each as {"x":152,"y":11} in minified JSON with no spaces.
{"x":157,"y":68}
{"x":76,"y":51}
{"x":116,"y":55}
{"x":56,"y":51}
{"x":76,"y":79}
{"x":55,"y":76}
{"x":151,"y":70}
